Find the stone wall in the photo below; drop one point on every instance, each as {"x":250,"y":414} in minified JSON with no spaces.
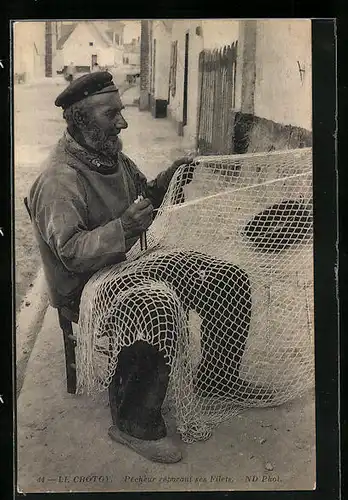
{"x":253,"y":134}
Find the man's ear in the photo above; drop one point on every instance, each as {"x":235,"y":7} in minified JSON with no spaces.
{"x":81,"y":114}
{"x":79,"y":117}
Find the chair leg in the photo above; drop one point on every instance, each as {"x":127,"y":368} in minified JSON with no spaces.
{"x":70,"y":358}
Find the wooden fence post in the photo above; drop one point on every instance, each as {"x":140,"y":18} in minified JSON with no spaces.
{"x":217,"y":70}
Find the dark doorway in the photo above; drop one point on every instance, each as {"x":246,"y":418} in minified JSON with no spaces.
{"x":184,"y":114}
{"x":94,"y":60}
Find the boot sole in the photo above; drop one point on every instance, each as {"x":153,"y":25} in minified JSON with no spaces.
{"x":139,"y":446}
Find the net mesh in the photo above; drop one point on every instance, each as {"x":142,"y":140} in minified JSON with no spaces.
{"x":224,"y":290}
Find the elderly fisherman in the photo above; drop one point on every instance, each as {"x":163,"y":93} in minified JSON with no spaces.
{"x":85,"y":216}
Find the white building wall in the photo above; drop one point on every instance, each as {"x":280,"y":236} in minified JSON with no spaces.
{"x":58,"y":62}
{"x":117,"y":57}
{"x":211,"y":34}
{"x":162,"y":37}
{"x":179,"y":30}
{"x":133,"y":58}
{"x":195,"y":47}
{"x":280,"y":95}
{"x":281,"y":46}
{"x":131,"y":30}
{"x":29,"y":49}
{"x":218,"y":33}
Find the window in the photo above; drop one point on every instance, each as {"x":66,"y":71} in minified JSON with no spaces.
{"x":91,"y":44}
{"x":117,"y":39}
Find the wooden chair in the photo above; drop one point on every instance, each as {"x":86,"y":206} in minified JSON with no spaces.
{"x":66,"y":318}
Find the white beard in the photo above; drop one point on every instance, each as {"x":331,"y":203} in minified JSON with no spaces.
{"x":112,"y":146}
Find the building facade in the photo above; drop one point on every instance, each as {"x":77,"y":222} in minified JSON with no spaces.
{"x":274,"y":86}
{"x":131,"y":53}
{"x":261,"y":68}
{"x":29,"y":51}
{"x":170,"y":66}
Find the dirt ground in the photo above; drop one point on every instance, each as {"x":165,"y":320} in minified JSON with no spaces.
{"x":37,"y":125}
{"x":63,"y":445}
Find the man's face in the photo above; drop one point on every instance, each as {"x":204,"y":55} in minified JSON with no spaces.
{"x":104,"y":123}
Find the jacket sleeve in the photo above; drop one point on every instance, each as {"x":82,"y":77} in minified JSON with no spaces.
{"x":155,"y":189}
{"x":155,"y":193}
{"x":63,"y":225}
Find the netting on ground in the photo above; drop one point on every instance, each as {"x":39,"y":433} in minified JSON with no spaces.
{"x":225,"y":291}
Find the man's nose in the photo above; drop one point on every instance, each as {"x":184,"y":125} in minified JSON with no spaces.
{"x":121,"y":123}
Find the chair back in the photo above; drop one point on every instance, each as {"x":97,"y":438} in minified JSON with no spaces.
{"x":27,"y":206}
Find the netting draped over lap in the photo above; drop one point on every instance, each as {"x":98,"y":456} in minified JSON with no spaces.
{"x":225,"y":291}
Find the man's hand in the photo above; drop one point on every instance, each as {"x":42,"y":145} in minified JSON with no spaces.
{"x":184,"y":160}
{"x":163,"y":180}
{"x":188,"y":172}
{"x":137,"y":218}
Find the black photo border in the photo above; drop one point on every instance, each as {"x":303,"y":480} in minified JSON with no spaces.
{"x":324,"y":69}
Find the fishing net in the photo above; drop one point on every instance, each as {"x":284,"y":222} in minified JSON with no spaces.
{"x":224,"y":291}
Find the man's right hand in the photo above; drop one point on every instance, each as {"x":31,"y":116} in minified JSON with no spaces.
{"x":137,"y":218}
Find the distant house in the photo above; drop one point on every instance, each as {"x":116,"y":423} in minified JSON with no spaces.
{"x":29,"y":51}
{"x":86,"y":43}
{"x":131,"y":53}
{"x":35,"y":46}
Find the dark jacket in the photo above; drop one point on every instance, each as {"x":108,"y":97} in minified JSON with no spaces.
{"x":76,"y":209}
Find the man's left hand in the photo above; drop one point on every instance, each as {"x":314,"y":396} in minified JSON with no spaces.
{"x":184,"y":160}
{"x":187,"y":175}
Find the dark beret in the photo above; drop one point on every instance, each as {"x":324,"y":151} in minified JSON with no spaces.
{"x":87,"y":85}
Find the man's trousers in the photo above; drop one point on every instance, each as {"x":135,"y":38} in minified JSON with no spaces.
{"x":220,"y":294}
